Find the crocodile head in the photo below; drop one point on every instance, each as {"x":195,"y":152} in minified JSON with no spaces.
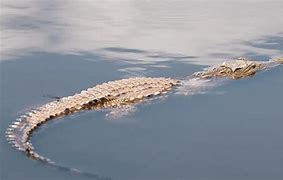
{"x":234,"y":69}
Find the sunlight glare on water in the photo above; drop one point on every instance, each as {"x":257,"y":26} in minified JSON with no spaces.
{"x":145,"y":31}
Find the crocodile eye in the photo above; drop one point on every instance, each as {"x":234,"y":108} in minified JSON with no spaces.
{"x":238,"y":69}
{"x":223,"y":73}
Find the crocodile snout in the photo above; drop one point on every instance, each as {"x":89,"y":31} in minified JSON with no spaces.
{"x":279,"y":60}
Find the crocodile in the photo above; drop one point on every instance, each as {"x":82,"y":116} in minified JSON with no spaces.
{"x":118,"y":94}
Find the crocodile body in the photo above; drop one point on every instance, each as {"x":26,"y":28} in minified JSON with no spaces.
{"x":107,"y":95}
{"x":115,"y":94}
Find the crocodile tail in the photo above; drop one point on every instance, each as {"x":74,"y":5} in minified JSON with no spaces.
{"x":35,"y":156}
{"x":18,"y":135}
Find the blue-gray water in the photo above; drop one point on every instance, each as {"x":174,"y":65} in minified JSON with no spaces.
{"x":57,"y":48}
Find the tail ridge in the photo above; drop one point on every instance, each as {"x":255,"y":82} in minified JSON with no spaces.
{"x":34,"y":156}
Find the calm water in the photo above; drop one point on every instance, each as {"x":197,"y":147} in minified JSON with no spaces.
{"x":59,"y":47}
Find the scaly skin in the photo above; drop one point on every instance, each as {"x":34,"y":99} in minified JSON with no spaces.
{"x":237,"y":69}
{"x":115,"y":94}
{"x":233,"y":69}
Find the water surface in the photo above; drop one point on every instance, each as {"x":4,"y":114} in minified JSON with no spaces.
{"x":58,"y":48}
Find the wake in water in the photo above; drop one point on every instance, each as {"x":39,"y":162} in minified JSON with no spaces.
{"x":197,"y":86}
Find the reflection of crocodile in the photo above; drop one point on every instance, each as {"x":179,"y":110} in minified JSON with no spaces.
{"x":116,"y":94}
